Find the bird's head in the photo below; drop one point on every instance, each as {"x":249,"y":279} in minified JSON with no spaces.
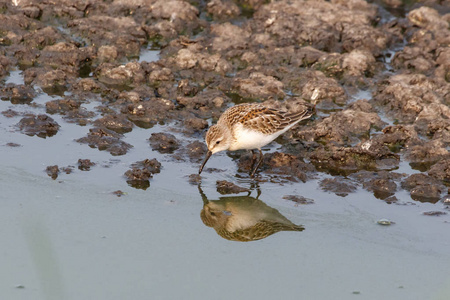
{"x":214,"y":215}
{"x":217,"y":139}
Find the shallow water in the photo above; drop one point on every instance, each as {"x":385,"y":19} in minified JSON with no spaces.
{"x":71,"y":238}
{"x":75,"y":240}
{"x":149,"y":55}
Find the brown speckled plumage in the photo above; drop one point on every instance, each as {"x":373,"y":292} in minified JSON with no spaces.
{"x":260,"y":118}
{"x":259,"y":231}
{"x":250,"y":126}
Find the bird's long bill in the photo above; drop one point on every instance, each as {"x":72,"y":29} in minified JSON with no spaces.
{"x":208,"y":155}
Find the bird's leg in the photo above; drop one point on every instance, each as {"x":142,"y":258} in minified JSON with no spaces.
{"x":254,"y":185}
{"x":252,"y":174}
{"x":253,"y":159}
{"x":258,"y":192}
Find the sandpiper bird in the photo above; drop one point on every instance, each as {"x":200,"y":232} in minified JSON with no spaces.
{"x":244,"y":218}
{"x":250,"y":126}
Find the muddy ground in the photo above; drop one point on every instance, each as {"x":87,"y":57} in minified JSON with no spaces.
{"x":378,"y":73}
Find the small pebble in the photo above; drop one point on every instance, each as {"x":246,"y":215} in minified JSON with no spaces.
{"x":385,"y":222}
{"x":446,"y":200}
{"x":119,"y":193}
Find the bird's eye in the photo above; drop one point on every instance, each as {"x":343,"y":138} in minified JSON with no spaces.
{"x":218,"y":142}
{"x":212,"y":213}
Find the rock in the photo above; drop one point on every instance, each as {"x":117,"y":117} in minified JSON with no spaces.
{"x":381,"y":183}
{"x":427,"y":17}
{"x":32,"y":11}
{"x":88,"y":85}
{"x":195,"y":124}
{"x":346,"y":127}
{"x":42,"y":37}
{"x":141,"y":172}
{"x":205,"y":104}
{"x":186,"y":88}
{"x":116,"y":123}
{"x":382,"y":188}
{"x":224,"y":187}
{"x":385,"y":222}
{"x":222,"y":10}
{"x":148,"y":113}
{"x":413,"y":58}
{"x":119,"y":193}
{"x":338,"y":160}
{"x":17,"y":93}
{"x":71,"y":110}
{"x":61,"y":106}
{"x":196,"y":151}
{"x":423,"y":188}
{"x":337,"y":185}
{"x":53,"y":171}
{"x":63,"y":54}
{"x":424,"y":155}
{"x":85,"y":164}
{"x":323,"y":25}
{"x":67,"y":170}
{"x":164,"y":142}
{"x":390,"y":200}
{"x":319,"y":89}
{"x":441,"y":170}
{"x":51,"y":81}
{"x":283,"y":164}
{"x":138,"y":178}
{"x":107,"y":53}
{"x":404,"y":96}
{"x":41,"y":125}
{"x":396,"y":138}
{"x":123,"y":33}
{"x":105,"y":139}
{"x":172,"y":18}
{"x":258,"y":85}
{"x":130,"y":74}
{"x":358,"y":62}
{"x":228,"y":36}
{"x":162,"y":74}
{"x":182,"y":10}
{"x":186,"y":59}
{"x":9,"y":113}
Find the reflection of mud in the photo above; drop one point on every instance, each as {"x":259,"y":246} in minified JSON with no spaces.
{"x":244,"y":218}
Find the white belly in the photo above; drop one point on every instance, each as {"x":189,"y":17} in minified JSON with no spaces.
{"x":250,"y":139}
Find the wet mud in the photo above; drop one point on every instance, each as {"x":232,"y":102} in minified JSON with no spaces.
{"x":377,"y":73}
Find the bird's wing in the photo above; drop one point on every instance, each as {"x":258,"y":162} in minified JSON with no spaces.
{"x":259,"y":231}
{"x":269,"y":121}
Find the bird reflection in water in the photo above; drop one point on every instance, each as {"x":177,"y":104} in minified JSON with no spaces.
{"x":243,"y":218}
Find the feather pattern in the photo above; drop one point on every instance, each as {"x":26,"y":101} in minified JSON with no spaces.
{"x":261,"y":118}
{"x":250,"y":126}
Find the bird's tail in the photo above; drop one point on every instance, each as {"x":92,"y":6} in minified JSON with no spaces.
{"x":301,"y":115}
